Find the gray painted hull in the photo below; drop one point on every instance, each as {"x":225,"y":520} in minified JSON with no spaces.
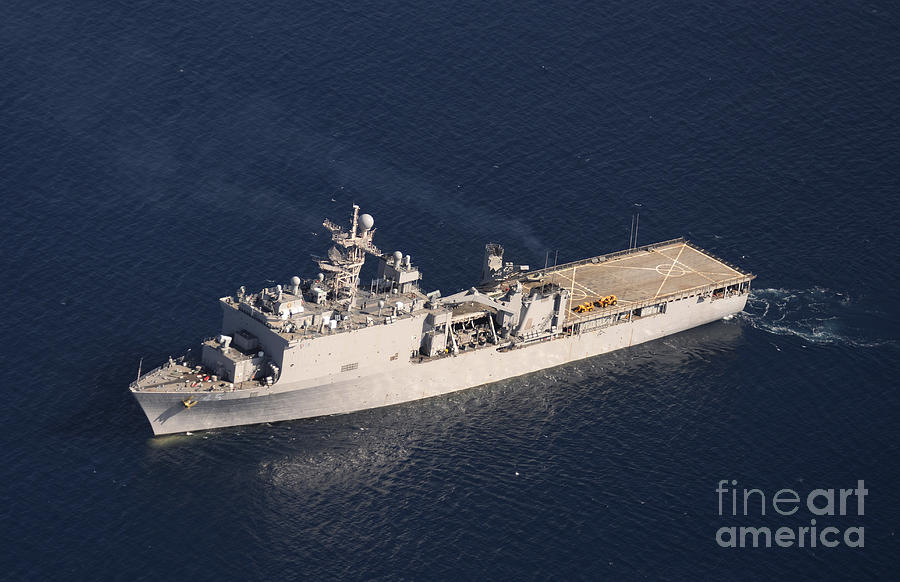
{"x":343,"y":393}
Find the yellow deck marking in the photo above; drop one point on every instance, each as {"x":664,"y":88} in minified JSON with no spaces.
{"x":733,"y":271}
{"x":635,"y":268}
{"x":666,"y":278}
{"x":573,"y":283}
{"x":688,"y":267}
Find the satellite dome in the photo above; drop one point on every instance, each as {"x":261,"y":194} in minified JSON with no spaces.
{"x":366,"y":221}
{"x":295,"y":280}
{"x":398,"y":256}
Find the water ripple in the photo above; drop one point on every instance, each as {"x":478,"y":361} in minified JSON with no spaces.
{"x":819,"y":316}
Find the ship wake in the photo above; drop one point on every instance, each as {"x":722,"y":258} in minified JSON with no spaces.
{"x":818,"y":316}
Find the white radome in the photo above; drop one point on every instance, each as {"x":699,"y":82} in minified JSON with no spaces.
{"x":366,"y":222}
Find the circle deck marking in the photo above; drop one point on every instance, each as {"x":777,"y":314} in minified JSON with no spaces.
{"x":670,"y":270}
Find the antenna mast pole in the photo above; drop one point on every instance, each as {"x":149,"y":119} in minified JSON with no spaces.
{"x":555,"y":263}
{"x":637,"y":223}
{"x":355,"y":216}
{"x":631,"y":232}
{"x":546,"y":263}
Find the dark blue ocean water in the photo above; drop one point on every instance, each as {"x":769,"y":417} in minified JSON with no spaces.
{"x":157,"y":155}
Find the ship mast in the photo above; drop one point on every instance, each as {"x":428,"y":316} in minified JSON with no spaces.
{"x":348,"y":255}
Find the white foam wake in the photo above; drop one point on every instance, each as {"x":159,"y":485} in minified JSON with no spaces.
{"x":818,"y":316}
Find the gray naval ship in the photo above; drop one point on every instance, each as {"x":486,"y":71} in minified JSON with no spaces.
{"x":329,"y":345}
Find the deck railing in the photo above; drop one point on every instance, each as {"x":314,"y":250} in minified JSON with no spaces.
{"x":717,"y":258}
{"x":134,"y":383}
{"x":606,"y":257}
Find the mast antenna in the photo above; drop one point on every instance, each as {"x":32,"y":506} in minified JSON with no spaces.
{"x":546,"y":263}
{"x":631,"y":232}
{"x":635,"y":222}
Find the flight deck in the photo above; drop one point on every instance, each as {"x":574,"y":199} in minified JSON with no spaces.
{"x":642,"y":276}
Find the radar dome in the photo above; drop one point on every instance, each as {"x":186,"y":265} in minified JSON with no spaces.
{"x":366,"y":221}
{"x":295,"y":280}
{"x":398,"y":256}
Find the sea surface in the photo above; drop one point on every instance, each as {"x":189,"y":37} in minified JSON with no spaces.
{"x":157,"y":155}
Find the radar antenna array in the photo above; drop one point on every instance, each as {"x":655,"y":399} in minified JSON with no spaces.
{"x":344,"y":264}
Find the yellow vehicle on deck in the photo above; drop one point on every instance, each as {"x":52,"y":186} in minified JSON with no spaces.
{"x":583,"y":308}
{"x":606,"y":301}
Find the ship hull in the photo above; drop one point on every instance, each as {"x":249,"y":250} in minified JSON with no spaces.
{"x":340,"y":394}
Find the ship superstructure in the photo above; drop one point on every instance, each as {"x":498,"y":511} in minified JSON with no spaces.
{"x":329,"y":345}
